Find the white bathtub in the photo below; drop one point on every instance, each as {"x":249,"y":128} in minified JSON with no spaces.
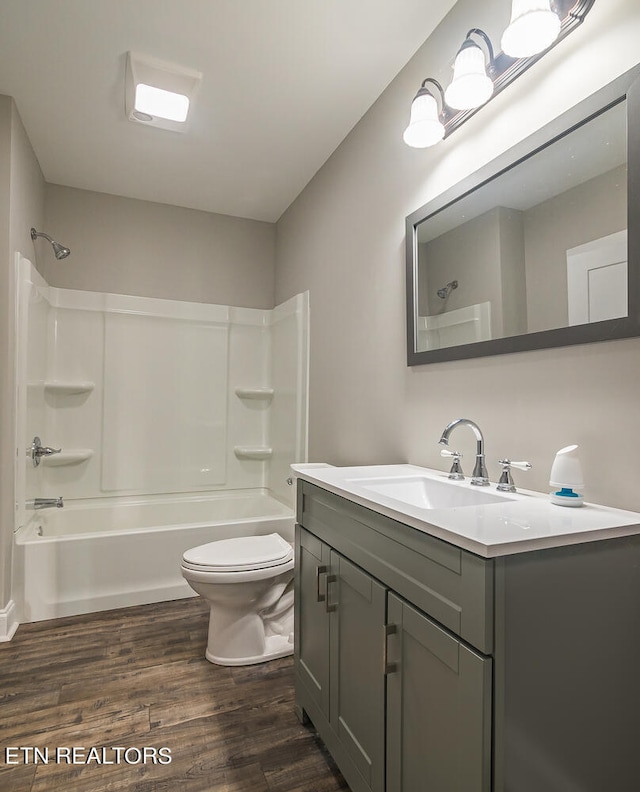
{"x":95,"y":556}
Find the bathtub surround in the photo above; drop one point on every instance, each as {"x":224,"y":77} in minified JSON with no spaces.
{"x":343,"y":239}
{"x":166,"y":396}
{"x":152,"y":401}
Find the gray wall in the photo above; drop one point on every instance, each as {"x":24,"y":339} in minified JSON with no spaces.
{"x":21,"y":206}
{"x":343,"y":239}
{"x":512,"y":271}
{"x":128,"y":246}
{"x":474,"y":247}
{"x":592,"y":210}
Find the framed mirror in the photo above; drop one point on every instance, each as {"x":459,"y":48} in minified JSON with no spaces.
{"x":538,"y":249}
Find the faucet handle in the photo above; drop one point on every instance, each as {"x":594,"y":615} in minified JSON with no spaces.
{"x":520,"y":465}
{"x":37,"y":451}
{"x":506,"y":481}
{"x":456,"y":469}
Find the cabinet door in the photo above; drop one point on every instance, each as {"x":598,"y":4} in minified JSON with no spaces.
{"x":438,"y":708}
{"x":358,"y":603}
{"x":312,"y":617}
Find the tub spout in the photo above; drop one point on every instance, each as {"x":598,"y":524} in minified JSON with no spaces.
{"x":47,"y":503}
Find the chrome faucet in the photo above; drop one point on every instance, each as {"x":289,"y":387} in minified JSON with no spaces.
{"x":480,"y":476}
{"x":48,"y":503}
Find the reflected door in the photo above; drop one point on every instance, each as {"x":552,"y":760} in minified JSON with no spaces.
{"x":597,"y":279}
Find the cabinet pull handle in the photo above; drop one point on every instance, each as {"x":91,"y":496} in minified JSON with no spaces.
{"x":387,"y":630}
{"x":320,"y":570}
{"x":330,"y":608}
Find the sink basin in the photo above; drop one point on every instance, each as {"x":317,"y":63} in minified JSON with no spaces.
{"x":429,"y":493}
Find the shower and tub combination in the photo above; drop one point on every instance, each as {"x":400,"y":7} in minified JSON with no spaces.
{"x":170,"y":425}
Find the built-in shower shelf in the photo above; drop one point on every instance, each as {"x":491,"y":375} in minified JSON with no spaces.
{"x":72,"y":457}
{"x":253,"y":452}
{"x":69,"y":387}
{"x":263,"y":394}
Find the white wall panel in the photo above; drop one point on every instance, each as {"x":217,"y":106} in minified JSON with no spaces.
{"x":289,"y":374}
{"x":249,"y":344}
{"x":165,"y":404}
{"x":31,"y":362}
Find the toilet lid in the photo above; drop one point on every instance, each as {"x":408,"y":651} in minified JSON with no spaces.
{"x":240,"y":554}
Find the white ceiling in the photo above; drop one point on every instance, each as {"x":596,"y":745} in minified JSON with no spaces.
{"x":284,"y":82}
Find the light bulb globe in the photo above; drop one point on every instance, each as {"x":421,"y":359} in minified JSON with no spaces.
{"x":471,"y":86}
{"x":531,"y":29}
{"x":423,"y":134}
{"x":425,"y":128}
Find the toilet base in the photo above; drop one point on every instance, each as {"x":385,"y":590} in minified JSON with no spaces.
{"x":275,"y":646}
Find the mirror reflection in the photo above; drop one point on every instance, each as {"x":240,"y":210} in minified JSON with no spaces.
{"x":539,"y":247}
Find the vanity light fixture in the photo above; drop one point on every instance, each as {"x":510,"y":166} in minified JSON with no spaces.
{"x":425,"y":125}
{"x":535,"y":27}
{"x":158,"y":93}
{"x":472,"y":85}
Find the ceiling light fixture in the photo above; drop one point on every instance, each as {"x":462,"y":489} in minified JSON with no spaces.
{"x":535,"y":27}
{"x":158,"y":93}
{"x":158,"y":102}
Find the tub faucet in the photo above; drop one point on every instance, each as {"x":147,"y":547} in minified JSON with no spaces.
{"x":48,"y":503}
{"x":480,"y":476}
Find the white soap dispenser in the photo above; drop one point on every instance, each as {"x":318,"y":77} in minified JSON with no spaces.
{"x":566,"y":478}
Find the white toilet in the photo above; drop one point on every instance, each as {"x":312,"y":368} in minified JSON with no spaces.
{"x":248,"y":583}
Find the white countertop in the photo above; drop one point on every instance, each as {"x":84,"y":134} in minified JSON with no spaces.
{"x":518,"y":522}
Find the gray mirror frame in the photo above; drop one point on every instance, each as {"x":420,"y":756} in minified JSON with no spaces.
{"x":625,"y":87}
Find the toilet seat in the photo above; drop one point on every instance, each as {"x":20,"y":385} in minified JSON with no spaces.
{"x":241,"y":554}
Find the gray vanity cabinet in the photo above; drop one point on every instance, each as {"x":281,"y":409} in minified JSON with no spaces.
{"x":339,"y":629}
{"x":427,"y":668}
{"x":356,"y":678}
{"x":401,"y":703}
{"x":438,"y":707}
{"x":312,"y":619}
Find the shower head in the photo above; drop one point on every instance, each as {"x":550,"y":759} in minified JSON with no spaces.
{"x":445,"y":291}
{"x":61,"y":252}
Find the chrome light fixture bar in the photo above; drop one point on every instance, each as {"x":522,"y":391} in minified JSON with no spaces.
{"x":536,"y":26}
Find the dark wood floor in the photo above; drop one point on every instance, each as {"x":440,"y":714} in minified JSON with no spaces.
{"x":135,"y":678}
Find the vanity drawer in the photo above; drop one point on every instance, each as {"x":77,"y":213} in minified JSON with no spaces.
{"x":451,"y":585}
